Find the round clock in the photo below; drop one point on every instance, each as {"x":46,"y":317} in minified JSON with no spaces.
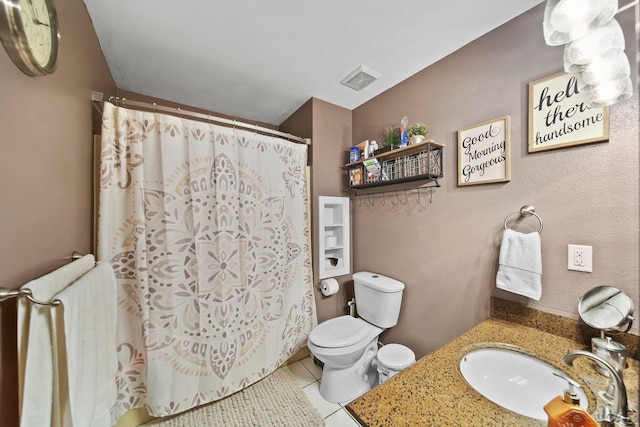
{"x":29,"y":33}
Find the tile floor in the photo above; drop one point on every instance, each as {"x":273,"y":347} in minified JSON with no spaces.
{"x":308,"y":375}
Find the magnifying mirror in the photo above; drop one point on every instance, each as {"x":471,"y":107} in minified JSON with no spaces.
{"x":606,"y":308}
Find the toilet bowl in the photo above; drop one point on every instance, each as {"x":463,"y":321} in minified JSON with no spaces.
{"x":347,"y":346}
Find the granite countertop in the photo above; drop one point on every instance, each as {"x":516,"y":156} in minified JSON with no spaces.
{"x":432,"y":392}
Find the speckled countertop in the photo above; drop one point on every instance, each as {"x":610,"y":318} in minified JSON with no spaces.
{"x":432,"y":392}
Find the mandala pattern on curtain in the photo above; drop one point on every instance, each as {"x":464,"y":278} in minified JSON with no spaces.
{"x":207,"y":229}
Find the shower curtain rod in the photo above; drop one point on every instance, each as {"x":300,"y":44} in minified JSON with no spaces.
{"x":99,"y":97}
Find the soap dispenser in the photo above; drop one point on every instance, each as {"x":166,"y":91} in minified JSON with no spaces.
{"x":565,"y":411}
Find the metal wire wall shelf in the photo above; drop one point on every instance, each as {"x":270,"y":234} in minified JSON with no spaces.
{"x":418,"y":162}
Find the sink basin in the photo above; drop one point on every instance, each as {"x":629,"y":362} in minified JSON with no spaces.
{"x":516,"y":381}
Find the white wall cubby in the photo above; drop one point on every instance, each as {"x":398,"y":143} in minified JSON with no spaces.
{"x":334,"y":236}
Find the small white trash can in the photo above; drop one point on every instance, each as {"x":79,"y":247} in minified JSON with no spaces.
{"x":392,"y":358}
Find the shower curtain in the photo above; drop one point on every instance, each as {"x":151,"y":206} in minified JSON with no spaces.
{"x":207,"y":229}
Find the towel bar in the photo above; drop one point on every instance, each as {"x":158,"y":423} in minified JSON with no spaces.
{"x":11,"y":293}
{"x":527,"y":210}
{"x":5,"y":293}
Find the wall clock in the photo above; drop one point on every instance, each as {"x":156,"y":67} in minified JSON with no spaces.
{"x":29,"y":33}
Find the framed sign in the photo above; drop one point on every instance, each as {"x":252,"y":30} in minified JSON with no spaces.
{"x":559,"y":116}
{"x":484,"y":152}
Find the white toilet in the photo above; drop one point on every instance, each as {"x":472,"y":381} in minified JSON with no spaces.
{"x":348,"y":345}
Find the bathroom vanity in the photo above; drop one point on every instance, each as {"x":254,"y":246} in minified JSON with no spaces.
{"x":432,"y":392}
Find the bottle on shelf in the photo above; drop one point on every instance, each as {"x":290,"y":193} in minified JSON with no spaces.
{"x":373,"y":146}
{"x":404,"y":135}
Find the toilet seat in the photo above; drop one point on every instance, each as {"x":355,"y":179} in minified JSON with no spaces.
{"x":339,"y":332}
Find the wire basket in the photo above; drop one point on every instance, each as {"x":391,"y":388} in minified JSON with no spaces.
{"x":392,"y":169}
{"x":424,"y":162}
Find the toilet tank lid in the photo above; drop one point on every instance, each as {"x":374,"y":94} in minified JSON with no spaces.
{"x":378,"y":281}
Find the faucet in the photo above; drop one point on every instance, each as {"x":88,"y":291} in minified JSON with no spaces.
{"x":619,"y":417}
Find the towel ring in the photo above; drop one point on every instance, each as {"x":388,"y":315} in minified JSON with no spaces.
{"x":525,"y":211}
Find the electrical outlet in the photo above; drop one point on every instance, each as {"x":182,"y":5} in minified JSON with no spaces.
{"x":580,"y":258}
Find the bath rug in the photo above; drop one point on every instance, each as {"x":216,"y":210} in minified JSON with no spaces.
{"x":276,"y":400}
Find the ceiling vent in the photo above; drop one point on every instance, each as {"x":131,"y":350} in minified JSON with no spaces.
{"x":360,"y":78}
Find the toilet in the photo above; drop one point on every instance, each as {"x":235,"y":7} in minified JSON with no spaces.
{"x":348,"y":345}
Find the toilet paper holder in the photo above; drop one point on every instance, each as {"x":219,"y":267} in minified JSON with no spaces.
{"x":329,"y":287}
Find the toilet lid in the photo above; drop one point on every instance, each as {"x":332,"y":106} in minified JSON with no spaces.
{"x":340,"y":331}
{"x":396,"y":356}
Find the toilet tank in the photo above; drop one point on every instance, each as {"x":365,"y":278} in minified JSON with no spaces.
{"x":378,"y":298}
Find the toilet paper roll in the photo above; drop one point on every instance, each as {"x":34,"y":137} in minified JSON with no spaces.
{"x":329,"y":287}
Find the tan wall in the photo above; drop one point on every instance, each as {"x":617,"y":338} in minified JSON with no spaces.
{"x":45,"y":171}
{"x":331,"y":140}
{"x":300,"y":123}
{"x":446,"y":252}
{"x":330,"y":128}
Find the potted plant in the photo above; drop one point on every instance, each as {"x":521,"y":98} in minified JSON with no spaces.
{"x":391,"y":140}
{"x":417,"y":133}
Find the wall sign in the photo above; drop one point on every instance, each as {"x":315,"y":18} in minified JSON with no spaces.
{"x":484,"y":152}
{"x":559,"y":116}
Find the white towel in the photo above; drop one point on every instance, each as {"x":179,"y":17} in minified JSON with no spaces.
{"x":36,"y":358}
{"x":520,"y":264}
{"x":90,"y":318}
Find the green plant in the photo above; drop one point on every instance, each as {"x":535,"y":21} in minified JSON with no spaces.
{"x":392,"y":137}
{"x":417,"y":129}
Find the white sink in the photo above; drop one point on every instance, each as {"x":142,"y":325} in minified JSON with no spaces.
{"x":514,"y":380}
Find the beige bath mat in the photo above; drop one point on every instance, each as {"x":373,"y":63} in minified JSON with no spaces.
{"x":276,"y":401}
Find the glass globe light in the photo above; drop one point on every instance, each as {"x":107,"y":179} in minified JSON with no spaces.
{"x":600,"y":42}
{"x":607,"y":68}
{"x":609,"y":92}
{"x":568,"y":20}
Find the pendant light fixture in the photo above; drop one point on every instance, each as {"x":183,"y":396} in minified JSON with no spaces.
{"x":609,"y":92}
{"x":594,"y":47}
{"x":568,"y":20}
{"x":598,"y":43}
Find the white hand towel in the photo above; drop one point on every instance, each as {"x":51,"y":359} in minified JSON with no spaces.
{"x":90,"y":318}
{"x":520,"y":264}
{"x":36,"y":359}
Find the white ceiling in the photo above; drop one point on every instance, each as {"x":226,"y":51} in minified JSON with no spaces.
{"x":262,"y":59}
